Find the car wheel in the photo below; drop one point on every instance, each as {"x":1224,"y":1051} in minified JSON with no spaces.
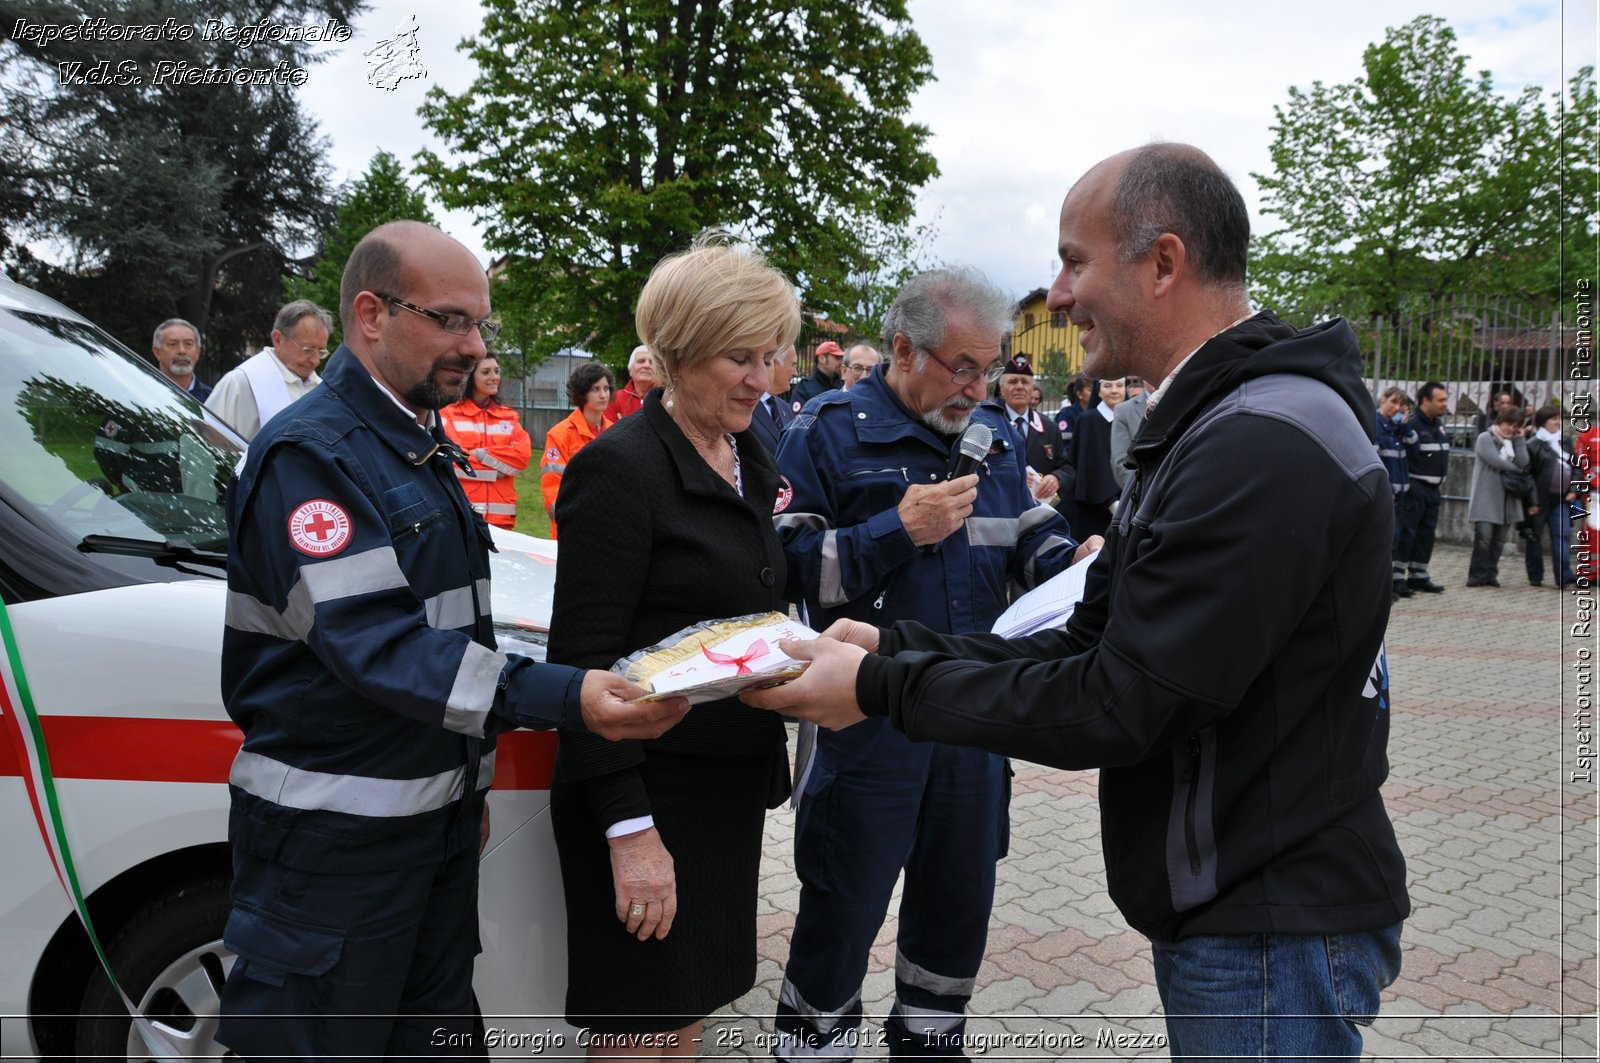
{"x":171,"y":961}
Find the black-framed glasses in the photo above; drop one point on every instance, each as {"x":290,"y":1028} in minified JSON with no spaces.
{"x":457,"y":323}
{"x":967,"y":374}
{"x":848,"y":368}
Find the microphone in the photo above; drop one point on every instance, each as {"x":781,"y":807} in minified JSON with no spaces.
{"x":970,"y":449}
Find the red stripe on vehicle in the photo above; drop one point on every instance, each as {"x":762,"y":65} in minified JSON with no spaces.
{"x":525,"y":760}
{"x":137,"y":749}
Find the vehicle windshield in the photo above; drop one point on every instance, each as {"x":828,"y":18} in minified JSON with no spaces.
{"x":95,"y":443}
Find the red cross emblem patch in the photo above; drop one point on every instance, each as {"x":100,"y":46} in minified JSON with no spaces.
{"x":785,"y":496}
{"x":319,"y":528}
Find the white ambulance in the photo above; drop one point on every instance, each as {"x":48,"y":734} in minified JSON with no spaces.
{"x":111,"y":577}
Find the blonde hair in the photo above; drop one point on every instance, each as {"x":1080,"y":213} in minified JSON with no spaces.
{"x":719,"y":295}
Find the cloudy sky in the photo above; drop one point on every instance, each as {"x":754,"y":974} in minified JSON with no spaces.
{"x":1030,"y":93}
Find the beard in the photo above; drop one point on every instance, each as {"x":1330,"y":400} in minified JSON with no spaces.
{"x":429,"y":394}
{"x":179,"y":367}
{"x":951,"y":418}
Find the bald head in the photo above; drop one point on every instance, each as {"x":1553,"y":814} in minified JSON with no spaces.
{"x":1153,"y":244}
{"x":386,"y":258}
{"x":415,"y":305}
{"x":1176,"y":188}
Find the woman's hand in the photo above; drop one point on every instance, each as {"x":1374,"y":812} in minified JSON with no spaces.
{"x":646,"y":885}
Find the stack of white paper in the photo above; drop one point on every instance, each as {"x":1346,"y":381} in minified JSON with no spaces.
{"x":1048,"y":605}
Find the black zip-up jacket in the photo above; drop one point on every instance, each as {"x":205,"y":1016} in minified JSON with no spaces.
{"x":1225,"y":668}
{"x":1427,"y":448}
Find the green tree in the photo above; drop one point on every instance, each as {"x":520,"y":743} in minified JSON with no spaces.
{"x":155,"y":196}
{"x":893,"y":254}
{"x":1417,"y":183}
{"x":381,"y":194}
{"x":600,"y":136}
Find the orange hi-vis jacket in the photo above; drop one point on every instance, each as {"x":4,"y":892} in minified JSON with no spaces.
{"x":499,"y":447}
{"x":560,"y":444}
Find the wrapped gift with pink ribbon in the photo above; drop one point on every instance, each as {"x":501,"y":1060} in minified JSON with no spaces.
{"x":717,"y":658}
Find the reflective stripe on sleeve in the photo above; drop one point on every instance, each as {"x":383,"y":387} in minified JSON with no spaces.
{"x":1031,"y":517}
{"x":454,"y":608}
{"x":1030,"y":569}
{"x":831,"y":591}
{"x":495,"y":463}
{"x":448,"y":609}
{"x":472,"y":693}
{"x":992,"y":531}
{"x":356,"y":795}
{"x":811,"y":521}
{"x":485,"y":475}
{"x":553,"y":466}
{"x":346,"y":577}
{"x":504,"y":509}
{"x":246,"y":613}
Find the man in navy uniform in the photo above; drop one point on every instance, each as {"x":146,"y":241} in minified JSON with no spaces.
{"x":875,"y":531}
{"x":359,"y":660}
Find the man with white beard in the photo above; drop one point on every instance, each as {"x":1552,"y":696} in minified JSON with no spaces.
{"x":875,"y":529}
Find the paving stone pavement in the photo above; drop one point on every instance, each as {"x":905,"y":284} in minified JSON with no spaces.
{"x":1500,"y":844}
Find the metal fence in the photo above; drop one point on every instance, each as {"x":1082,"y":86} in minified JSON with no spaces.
{"x":1475,"y":349}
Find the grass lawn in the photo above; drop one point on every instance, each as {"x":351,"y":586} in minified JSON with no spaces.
{"x":531,"y":517}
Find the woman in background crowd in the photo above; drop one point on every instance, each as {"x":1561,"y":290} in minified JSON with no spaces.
{"x":1094,"y":488}
{"x":1079,"y":388}
{"x":493,"y":437}
{"x":1494,"y":507}
{"x":1551,"y":463}
{"x":589,"y":391}
{"x":669,"y":522}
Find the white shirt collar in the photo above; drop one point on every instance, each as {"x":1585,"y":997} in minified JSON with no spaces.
{"x":426,"y":421}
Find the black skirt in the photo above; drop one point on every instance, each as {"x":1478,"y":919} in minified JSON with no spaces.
{"x":709,"y":811}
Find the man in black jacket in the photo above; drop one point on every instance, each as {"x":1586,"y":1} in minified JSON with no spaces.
{"x":1225,"y":669}
{"x":825,"y":377}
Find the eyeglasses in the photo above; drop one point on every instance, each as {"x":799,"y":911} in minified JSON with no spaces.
{"x":320,"y":352}
{"x":458,"y":323}
{"x":859,"y":369}
{"x":967,"y":374}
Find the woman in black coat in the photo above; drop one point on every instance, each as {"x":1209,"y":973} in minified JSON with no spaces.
{"x":666,"y":520}
{"x":1094,"y":488}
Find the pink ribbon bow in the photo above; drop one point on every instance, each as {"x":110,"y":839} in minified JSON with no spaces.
{"x":758,"y":648}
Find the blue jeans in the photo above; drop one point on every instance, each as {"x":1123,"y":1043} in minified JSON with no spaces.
{"x":1273,"y":996}
{"x":1556,"y":514}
